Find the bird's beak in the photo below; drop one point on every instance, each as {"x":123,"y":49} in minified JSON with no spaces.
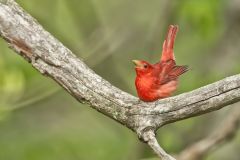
{"x":137,"y":63}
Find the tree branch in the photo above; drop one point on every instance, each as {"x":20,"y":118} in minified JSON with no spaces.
{"x":53,"y":59}
{"x":225,"y":131}
{"x":151,"y":140}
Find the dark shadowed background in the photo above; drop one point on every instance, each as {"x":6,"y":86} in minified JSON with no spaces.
{"x":40,"y":121}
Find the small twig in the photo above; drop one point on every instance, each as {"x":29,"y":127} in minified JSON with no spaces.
{"x":150,"y":138}
{"x":225,"y":132}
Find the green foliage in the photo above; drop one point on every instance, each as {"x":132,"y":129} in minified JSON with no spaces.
{"x":202,"y":15}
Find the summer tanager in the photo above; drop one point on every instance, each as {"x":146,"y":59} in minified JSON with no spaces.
{"x":156,"y":81}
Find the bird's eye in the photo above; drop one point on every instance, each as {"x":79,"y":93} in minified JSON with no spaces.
{"x":145,"y":65}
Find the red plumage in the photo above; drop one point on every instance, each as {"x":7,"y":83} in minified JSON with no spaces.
{"x":156,"y":81}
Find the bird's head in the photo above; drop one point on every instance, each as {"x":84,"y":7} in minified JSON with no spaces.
{"x":142,"y":67}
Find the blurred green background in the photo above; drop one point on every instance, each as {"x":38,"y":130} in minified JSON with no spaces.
{"x":39,"y":120}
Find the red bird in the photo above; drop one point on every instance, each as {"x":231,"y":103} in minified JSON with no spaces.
{"x":157,"y":81}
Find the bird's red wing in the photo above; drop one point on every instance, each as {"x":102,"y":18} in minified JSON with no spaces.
{"x":164,"y":68}
{"x":176,"y":71}
{"x":171,"y":73}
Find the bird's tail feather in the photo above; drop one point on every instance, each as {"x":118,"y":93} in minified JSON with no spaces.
{"x":168,"y":44}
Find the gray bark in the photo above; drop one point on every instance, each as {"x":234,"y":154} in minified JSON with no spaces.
{"x":53,"y":59}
